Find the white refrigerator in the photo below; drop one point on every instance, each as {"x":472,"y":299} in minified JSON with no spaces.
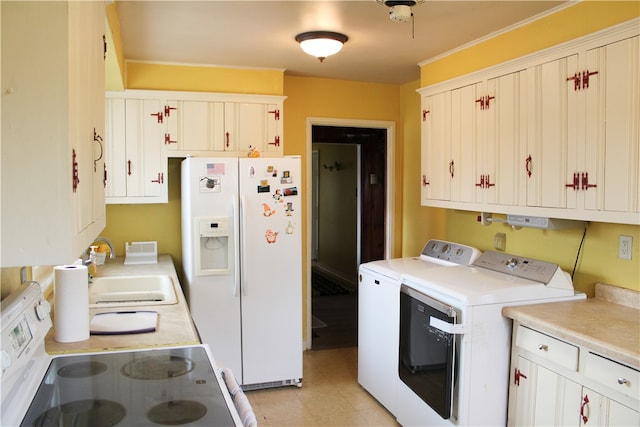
{"x":242,"y":260}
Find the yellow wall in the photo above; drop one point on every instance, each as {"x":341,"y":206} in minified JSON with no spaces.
{"x":599,"y":261}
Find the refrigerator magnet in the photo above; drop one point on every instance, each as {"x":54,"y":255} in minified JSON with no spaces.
{"x":290,"y":228}
{"x":271,"y":236}
{"x":286,"y":178}
{"x":291,"y":191}
{"x":210,"y":184}
{"x":267,"y":211}
{"x":277,"y":196}
{"x":289,"y":209}
{"x":264,"y":186}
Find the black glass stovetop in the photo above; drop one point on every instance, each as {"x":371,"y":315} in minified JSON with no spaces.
{"x":174,"y":386}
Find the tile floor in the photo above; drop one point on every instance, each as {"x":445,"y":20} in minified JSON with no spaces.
{"x":330,"y":395}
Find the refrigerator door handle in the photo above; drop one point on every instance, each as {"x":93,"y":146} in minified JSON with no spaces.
{"x":236,"y":264}
{"x":243,"y":244}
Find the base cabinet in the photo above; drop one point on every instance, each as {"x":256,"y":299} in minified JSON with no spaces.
{"x":556,"y":383}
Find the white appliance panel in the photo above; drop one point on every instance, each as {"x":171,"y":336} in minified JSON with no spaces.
{"x":214,"y":300}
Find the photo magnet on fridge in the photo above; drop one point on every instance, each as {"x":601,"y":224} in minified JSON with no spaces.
{"x":264,"y":187}
{"x":286,"y":178}
{"x":291,"y":191}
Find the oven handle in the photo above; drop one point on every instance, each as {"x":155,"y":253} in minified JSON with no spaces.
{"x":450,"y":328}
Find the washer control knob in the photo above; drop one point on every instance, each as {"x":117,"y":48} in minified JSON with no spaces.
{"x":42,"y":309}
{"x":512,"y":263}
{"x":445,"y":248}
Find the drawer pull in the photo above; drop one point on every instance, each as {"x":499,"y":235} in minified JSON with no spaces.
{"x":622,"y":381}
{"x":543,"y":347}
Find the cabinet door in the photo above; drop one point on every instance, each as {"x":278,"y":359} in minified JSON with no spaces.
{"x":542,"y":397}
{"x":116,"y":155}
{"x":195,"y":126}
{"x":378,"y":323}
{"x":466,"y":132}
{"x":551,"y":119}
{"x":252,"y":125}
{"x":436,"y":161}
{"x":599,"y":410}
{"x":611,"y":148}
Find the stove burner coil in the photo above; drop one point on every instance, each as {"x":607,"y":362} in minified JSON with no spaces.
{"x":90,"y":412}
{"x":157,"y":367}
{"x":82,"y":369}
{"x":177,"y":412}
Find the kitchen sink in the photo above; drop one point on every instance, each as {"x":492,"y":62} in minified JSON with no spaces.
{"x":123,"y":291}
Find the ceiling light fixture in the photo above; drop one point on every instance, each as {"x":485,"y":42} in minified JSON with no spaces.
{"x":321,"y":43}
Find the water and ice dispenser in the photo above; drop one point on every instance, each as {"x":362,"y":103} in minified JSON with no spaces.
{"x":214,"y":246}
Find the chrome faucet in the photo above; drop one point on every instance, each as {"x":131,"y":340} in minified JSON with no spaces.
{"x":112,"y":254}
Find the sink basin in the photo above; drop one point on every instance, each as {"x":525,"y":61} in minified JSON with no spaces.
{"x":119,"y":291}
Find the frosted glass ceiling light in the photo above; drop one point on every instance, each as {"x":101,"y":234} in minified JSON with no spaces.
{"x":321,"y":43}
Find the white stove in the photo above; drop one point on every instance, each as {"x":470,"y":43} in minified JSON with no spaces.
{"x":165,"y":386}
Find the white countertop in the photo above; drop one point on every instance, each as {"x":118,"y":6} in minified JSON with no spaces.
{"x":175,"y":326}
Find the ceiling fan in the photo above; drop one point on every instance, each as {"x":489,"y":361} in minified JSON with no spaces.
{"x":400,"y":10}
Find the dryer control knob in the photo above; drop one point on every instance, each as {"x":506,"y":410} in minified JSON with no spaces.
{"x":512,"y":263}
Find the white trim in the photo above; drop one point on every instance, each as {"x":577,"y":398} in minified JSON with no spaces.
{"x":390,"y":195}
{"x":590,"y":41}
{"x":500,"y":32}
{"x":191,"y":64}
{"x":176,"y":95}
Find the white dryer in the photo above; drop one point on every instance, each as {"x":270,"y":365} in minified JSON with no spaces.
{"x":379,"y":312}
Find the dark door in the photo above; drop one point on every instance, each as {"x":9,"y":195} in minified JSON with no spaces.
{"x":373,"y":155}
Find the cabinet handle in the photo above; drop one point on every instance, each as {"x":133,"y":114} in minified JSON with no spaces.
{"x":129,"y":167}
{"x":585,"y":78}
{"x":623,"y":381}
{"x":451,"y":168}
{"x":159,"y":116}
{"x":584,"y":409}
{"x":227,"y":139}
{"x":487,"y":183}
{"x":97,"y":138}
{"x":517,"y":375}
{"x":276,"y":114}
{"x":527,"y":165}
{"x":275,"y":142}
{"x":424,"y":181}
{"x":104,"y":177}
{"x":585,"y":181}
{"x":574,"y":185}
{"x":167,"y":139}
{"x":424,"y":114}
{"x":481,"y":183}
{"x":75,"y":177}
{"x":576,"y":81}
{"x":543,"y":347}
{"x":167,"y":110}
{"x":160,"y":179}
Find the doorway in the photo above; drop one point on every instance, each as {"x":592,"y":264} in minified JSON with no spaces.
{"x":349,"y":215}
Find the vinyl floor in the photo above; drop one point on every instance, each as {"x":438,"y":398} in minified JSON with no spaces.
{"x":330,"y":395}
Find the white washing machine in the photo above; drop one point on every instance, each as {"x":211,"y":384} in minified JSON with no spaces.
{"x":379,"y":312}
{"x":454,"y":343}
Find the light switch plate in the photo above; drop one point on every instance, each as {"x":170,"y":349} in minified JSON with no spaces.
{"x":625,"y":246}
{"x":500,"y":241}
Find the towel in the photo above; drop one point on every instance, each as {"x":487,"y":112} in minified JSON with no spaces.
{"x":240,"y":400}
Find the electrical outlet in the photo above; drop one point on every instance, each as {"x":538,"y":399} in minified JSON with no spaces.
{"x":500,"y":241}
{"x":625,"y":246}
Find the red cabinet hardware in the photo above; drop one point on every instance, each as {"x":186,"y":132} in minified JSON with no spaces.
{"x":485,"y":182}
{"x":424,"y":181}
{"x":159,"y":116}
{"x":481,"y":183}
{"x":585,"y":78}
{"x":276,"y":141}
{"x":75,"y":178}
{"x":517,"y":375}
{"x":584,"y":409}
{"x":574,"y":185}
{"x":585,"y":181}
{"x":576,"y":81}
{"x":276,"y":114}
{"x":104,"y":177}
{"x":484,"y":101}
{"x":226,"y":135}
{"x":167,"y":139}
{"x":424,"y":114}
{"x":160,"y":179}
{"x":451,"y":168}
{"x":97,"y":138}
{"x":527,"y":165}
{"x":167,"y":110}
{"x":129,"y":167}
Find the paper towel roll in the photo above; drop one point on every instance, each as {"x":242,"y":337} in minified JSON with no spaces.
{"x":71,"y":303}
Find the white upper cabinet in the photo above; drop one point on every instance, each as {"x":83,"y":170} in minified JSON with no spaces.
{"x":53,"y":151}
{"x":136,"y":159}
{"x":552,"y":134}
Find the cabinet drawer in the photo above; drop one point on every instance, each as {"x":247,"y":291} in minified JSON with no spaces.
{"x":613,"y":375}
{"x":548,"y":348}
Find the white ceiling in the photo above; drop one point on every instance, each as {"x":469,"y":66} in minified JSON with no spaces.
{"x":260,"y":34}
